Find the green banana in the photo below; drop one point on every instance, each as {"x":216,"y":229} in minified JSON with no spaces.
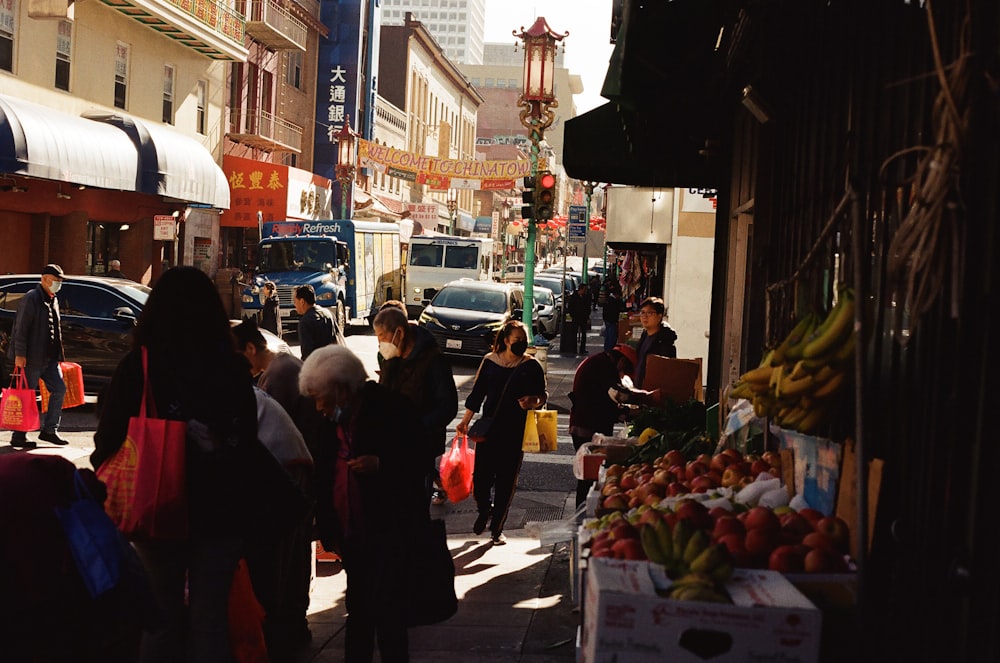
{"x":831,"y":385}
{"x":789,"y":388}
{"x":691,"y":579}
{"x":698,"y":542}
{"x":791,"y":348}
{"x":650,"y":545}
{"x":722,"y":572}
{"x":665,"y":539}
{"x":846,"y":350}
{"x":841,"y":324}
{"x":683,"y":530}
{"x":710,"y":558}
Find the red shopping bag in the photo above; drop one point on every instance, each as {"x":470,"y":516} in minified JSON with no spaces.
{"x":456,"y":469}
{"x":246,"y":619}
{"x":72,"y":375}
{"x":18,"y":408}
{"x":145,"y":478}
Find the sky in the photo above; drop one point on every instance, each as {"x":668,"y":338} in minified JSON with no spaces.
{"x":587,"y":47}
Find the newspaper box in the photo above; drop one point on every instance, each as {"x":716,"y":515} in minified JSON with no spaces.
{"x":625,"y":619}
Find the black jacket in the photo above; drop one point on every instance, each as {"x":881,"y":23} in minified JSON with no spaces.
{"x":270,"y":315}
{"x":316,"y":329}
{"x":425,"y":378}
{"x":36,"y":336}
{"x":661,"y":343}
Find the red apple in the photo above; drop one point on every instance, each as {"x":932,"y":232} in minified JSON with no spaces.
{"x":614,"y":470}
{"x":696,"y":512}
{"x":787,"y":559}
{"x":796,"y":524}
{"x":624,"y":530}
{"x":812,"y":515}
{"x":760,"y":543}
{"x":758,"y":467}
{"x":818,"y":540}
{"x":634,"y":501}
{"x":677,"y":488}
{"x":720,"y":462}
{"x":616,"y":502}
{"x":772,"y":458}
{"x":727,"y":525}
{"x":836,"y":529}
{"x":628,"y":481}
{"x":662,"y":477}
{"x":703,"y":483}
{"x":731,"y":476}
{"x":824,"y":560}
{"x":628,"y":549}
{"x":694,"y":468}
{"x":760,"y":517}
{"x":732,"y":453}
{"x":720,"y":512}
{"x":670,"y":518}
{"x":704,"y":458}
{"x":650,"y":517}
{"x":738,"y":550}
{"x":674,"y":457}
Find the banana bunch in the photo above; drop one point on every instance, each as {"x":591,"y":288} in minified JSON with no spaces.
{"x":697,"y":587}
{"x":684,"y":550}
{"x":797,"y":380}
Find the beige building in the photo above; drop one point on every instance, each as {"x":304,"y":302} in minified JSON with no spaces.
{"x":113,"y":118}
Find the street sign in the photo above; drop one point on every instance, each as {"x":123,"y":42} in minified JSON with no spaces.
{"x":576,"y":228}
{"x":163,"y":228}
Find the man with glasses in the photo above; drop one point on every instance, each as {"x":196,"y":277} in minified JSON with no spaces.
{"x":36,"y":348}
{"x":657,"y":336}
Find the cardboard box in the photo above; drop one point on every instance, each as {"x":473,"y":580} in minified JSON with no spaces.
{"x":677,"y":379}
{"x":624,"y":619}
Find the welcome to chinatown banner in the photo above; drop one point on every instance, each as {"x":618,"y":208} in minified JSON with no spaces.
{"x":441,"y":173}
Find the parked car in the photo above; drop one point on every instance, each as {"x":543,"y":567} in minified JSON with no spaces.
{"x":555,"y":284}
{"x":97,"y":314}
{"x":465,"y":315}
{"x":513,"y":274}
{"x":549,"y":314}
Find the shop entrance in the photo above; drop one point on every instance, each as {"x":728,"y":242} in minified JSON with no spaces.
{"x":103,"y":245}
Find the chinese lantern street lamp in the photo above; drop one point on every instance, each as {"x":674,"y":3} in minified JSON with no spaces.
{"x":537,"y":102}
{"x":346,"y":142}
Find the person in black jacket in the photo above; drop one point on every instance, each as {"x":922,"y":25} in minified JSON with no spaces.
{"x":370,"y":480}
{"x":270,"y":315}
{"x":611,"y":312}
{"x":579,"y":309}
{"x":195,"y":376}
{"x":36,"y":347}
{"x":507,"y":384}
{"x":657,"y":336}
{"x":414,"y":366}
{"x":317,"y":327}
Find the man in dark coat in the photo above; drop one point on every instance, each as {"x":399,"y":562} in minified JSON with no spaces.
{"x":415,"y":367}
{"x":316,"y":326}
{"x":579,"y":308}
{"x":593,"y":409}
{"x":36,"y":348}
{"x":657,"y":336}
{"x":611,"y":312}
{"x":115,"y":270}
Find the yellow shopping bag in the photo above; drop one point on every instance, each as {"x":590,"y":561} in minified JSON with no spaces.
{"x":540,"y":431}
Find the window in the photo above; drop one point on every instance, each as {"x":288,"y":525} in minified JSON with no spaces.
{"x":77,"y":299}
{"x":168,"y":94}
{"x":64,"y":47}
{"x":201,"y":93}
{"x":293,"y":73}
{"x":8,"y":16}
{"x":121,"y":74}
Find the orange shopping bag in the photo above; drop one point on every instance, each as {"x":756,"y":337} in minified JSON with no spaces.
{"x":72,"y":375}
{"x":146,"y":477}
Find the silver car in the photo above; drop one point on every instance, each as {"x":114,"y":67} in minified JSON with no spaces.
{"x":549,"y":313}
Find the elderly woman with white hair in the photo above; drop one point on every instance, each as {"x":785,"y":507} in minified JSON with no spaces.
{"x":370,"y":496}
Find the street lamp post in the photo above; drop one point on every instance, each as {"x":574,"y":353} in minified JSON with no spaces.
{"x":588,"y":190}
{"x":537,"y":101}
{"x":346,"y":168}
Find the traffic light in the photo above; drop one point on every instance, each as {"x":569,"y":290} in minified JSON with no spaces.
{"x":528,"y":198}
{"x":545,"y":196}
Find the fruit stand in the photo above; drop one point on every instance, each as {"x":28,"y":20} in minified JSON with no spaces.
{"x":677,"y":518}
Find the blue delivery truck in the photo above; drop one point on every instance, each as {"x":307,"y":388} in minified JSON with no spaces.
{"x":354,"y":267}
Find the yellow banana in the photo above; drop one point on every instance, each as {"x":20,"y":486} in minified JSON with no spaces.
{"x":831,"y":385}
{"x":710,"y":558}
{"x":846,"y":350}
{"x":775,"y":378}
{"x":650,"y":545}
{"x":810,"y":421}
{"x":793,"y":418}
{"x":696,"y":545}
{"x":759,"y":374}
{"x":791,"y":348}
{"x":841,"y":324}
{"x":691,"y":579}
{"x":741,"y":390}
{"x":794,"y":388}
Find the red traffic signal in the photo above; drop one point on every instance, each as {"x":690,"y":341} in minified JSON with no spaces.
{"x":545,"y":195}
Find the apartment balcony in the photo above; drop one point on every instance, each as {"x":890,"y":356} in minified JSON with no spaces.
{"x":211,"y":28}
{"x":273,"y":26}
{"x":263,"y":131}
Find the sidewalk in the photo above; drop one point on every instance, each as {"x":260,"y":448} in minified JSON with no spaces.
{"x":515,"y":602}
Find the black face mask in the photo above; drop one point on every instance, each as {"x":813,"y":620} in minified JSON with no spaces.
{"x":519,"y":347}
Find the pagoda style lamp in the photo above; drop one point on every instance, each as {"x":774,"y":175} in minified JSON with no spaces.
{"x":346,"y":153}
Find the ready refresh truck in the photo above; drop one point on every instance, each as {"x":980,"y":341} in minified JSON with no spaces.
{"x":353,"y":266}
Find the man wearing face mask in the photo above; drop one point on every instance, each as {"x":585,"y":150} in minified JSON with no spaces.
{"x":414,"y":367}
{"x":36,"y":348}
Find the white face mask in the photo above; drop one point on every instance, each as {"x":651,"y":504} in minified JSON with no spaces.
{"x":55,"y":286}
{"x":388,"y":349}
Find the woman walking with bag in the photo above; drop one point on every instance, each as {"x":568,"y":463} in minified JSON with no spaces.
{"x":195,"y":376}
{"x":510,"y":384}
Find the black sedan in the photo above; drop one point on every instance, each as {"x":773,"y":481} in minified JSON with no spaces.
{"x":98,"y":315}
{"x":465,"y":315}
